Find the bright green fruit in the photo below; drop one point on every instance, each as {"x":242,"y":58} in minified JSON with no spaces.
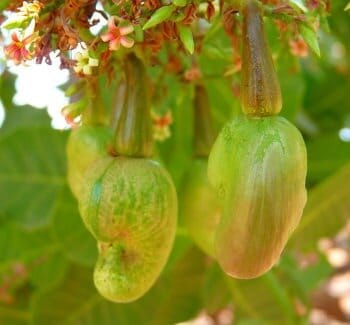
{"x":130,"y":207}
{"x":200,"y":206}
{"x":258,"y":165}
{"x":84,"y":146}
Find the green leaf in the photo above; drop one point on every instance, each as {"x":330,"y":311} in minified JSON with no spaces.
{"x":4,"y":4}
{"x":76,"y":242}
{"x":7,"y":89}
{"x":159,"y":16}
{"x":186,"y":37}
{"x":21,"y":117}
{"x":16,"y":22}
{"x":292,"y":87}
{"x":10,"y":314}
{"x":322,"y":164}
{"x":180,"y":3}
{"x":298,"y":4}
{"x":302,"y":281}
{"x":176,"y":152}
{"x":18,"y":245}
{"x":326,"y":211}
{"x":216,"y":294}
{"x":310,"y":37}
{"x":347,"y":7}
{"x":264,"y":299}
{"x":16,"y":313}
{"x":48,"y":271}
{"x":32,"y":173}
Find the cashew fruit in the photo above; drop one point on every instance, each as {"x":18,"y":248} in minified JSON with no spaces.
{"x":258,"y":165}
{"x":201,"y":208}
{"x":130,"y":206}
{"x":85,"y":145}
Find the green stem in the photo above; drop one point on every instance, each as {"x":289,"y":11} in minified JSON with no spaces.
{"x":261,"y":93}
{"x":133,"y":131}
{"x":204,"y":134}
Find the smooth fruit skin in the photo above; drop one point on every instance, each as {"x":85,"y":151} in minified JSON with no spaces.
{"x":258,"y":165}
{"x":130,"y":207}
{"x":85,"y":145}
{"x":201,"y":208}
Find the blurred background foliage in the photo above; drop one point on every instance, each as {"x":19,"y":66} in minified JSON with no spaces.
{"x":46,"y":254}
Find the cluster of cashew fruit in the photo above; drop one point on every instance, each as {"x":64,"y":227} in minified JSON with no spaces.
{"x":242,"y":197}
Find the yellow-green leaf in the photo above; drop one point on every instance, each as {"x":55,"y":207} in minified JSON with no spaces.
{"x":186,"y":37}
{"x":310,"y":37}
{"x":159,"y":16}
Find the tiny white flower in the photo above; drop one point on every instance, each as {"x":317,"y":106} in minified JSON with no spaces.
{"x":85,"y":63}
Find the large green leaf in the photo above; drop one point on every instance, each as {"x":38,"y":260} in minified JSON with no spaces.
{"x":76,"y":242}
{"x":48,"y":271}
{"x":264,"y":299}
{"x":24,"y":245}
{"x":326,"y":211}
{"x":321,"y":162}
{"x":23,"y":117}
{"x":32,"y":173}
{"x":215,"y":292}
{"x":174,"y":298}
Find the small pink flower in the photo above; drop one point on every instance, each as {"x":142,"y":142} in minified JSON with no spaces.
{"x":117,"y":35}
{"x":18,"y":49}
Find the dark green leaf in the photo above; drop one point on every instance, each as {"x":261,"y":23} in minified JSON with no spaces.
{"x":76,"y":242}
{"x":48,"y":271}
{"x":323,"y":163}
{"x":24,"y":117}
{"x":32,"y":174}
{"x":24,"y":245}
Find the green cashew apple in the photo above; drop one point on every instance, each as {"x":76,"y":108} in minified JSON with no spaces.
{"x":130,"y":207}
{"x":85,"y":145}
{"x":258,"y":165}
{"x":201,"y":208}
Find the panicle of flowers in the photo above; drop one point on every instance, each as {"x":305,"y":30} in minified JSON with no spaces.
{"x":161,"y":126}
{"x":117,"y":35}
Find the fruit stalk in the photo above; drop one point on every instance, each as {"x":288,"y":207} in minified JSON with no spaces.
{"x":204,"y":134}
{"x":260,"y":89}
{"x":133,"y":132}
